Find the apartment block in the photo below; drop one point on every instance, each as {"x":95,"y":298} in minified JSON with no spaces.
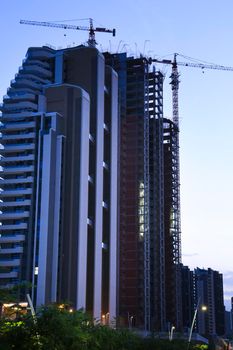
{"x":188,"y":296}
{"x":209,"y":292}
{"x":59,"y":143}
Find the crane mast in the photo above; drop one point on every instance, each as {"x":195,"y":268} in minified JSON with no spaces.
{"x":91,"y":29}
{"x":175,"y":88}
{"x":175,"y":78}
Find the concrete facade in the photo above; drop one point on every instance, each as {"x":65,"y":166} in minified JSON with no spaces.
{"x":59,"y":192}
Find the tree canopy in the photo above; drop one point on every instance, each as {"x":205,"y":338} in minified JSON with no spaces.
{"x":64,"y":329}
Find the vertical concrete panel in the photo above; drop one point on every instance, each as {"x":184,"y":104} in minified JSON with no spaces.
{"x":99,"y":188}
{"x":49,"y":218}
{"x":113,"y":199}
{"x":59,"y":67}
{"x":44,"y":221}
{"x":83,"y":201}
{"x":57,"y":205}
{"x":37,"y":214}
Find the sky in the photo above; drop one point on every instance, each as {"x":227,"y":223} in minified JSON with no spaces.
{"x":201,"y":29}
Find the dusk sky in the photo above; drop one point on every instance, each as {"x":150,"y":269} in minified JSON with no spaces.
{"x":201,"y":29}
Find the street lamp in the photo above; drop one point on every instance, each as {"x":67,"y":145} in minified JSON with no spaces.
{"x":171,"y":333}
{"x":131,"y":322}
{"x":103,"y":320}
{"x":203,"y":308}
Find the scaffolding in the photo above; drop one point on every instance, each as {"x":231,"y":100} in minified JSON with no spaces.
{"x":158,"y":309}
{"x":172,"y":222}
{"x":176,"y":223}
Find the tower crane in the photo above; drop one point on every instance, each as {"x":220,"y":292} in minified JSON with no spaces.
{"x":91,"y":41}
{"x":176,"y":157}
{"x":175,"y":78}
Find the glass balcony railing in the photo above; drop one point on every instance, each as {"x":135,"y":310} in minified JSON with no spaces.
{"x":16,"y":169}
{"x":12,"y":238}
{"x":17,"y":147}
{"x":12,"y":274}
{"x":14,"y":215}
{"x":21,"y":226}
{"x":37,"y":70}
{"x":10,"y":262}
{"x":22,"y":203}
{"x":38,"y":63}
{"x":15,"y":192}
{"x":15,"y":250}
{"x":24,"y":83}
{"x":19,"y":125}
{"x":24,"y":180}
{"x":19,"y":97}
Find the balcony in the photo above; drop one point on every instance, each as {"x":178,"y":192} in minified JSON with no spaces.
{"x":91,"y":138}
{"x":17,"y":97}
{"x":15,"y":192}
{"x":40,"y":53}
{"x":22,"y":203}
{"x":32,"y":77}
{"x":15,"y":250}
{"x":17,"y":106}
{"x":11,"y":274}
{"x":10,"y":262}
{"x":14,"y":215}
{"x":16,"y":169}
{"x":18,"y":116}
{"x":29,"y":135}
{"x":18,"y":126}
{"x":12,"y":239}
{"x":17,"y":147}
{"x":106,"y":128}
{"x":36,"y":70}
{"x":90,"y":179}
{"x":24,"y":180}
{"x":105,"y":205}
{"x":16,"y":159}
{"x":90,"y":222}
{"x":25,"y":83}
{"x":22,"y":226}
{"x":29,"y":62}
{"x":105,"y":165}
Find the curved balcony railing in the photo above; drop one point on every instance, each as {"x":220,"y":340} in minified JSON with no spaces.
{"x":12,"y":238}
{"x":12,"y":274}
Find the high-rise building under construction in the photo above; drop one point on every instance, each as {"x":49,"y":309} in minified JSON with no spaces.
{"x":149,"y":228}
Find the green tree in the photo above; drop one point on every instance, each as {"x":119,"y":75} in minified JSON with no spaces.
{"x":12,"y":294}
{"x":59,"y":329}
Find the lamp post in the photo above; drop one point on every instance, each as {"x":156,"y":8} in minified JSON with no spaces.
{"x":171,"y":333}
{"x":203,"y":308}
{"x":103,"y":320}
{"x":131,"y":322}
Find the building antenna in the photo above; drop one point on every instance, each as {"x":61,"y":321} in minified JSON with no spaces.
{"x":118,"y":47}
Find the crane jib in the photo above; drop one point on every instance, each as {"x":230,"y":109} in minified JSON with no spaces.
{"x":69,"y":26}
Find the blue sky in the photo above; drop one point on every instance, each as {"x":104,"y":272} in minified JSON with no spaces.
{"x":201,"y":29}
